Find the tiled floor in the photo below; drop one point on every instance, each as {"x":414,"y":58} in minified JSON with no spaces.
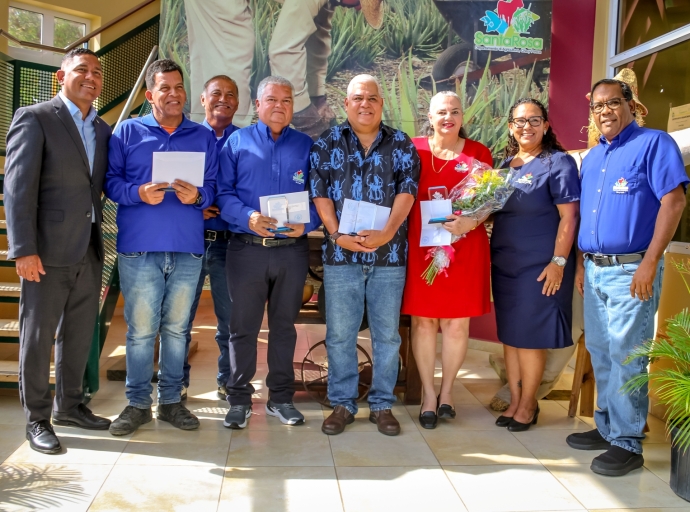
{"x":465,"y":464}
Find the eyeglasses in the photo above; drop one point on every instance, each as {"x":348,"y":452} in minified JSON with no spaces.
{"x":533,"y":121}
{"x":613,"y":104}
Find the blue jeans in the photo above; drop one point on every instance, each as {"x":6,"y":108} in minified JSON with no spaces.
{"x":158,"y":288}
{"x":346,"y":288}
{"x":213,"y":265}
{"x":615,"y":323}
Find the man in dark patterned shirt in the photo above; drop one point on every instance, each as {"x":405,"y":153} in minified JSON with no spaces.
{"x":363,"y":160}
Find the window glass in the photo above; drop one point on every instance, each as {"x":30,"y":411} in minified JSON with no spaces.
{"x":664,"y":82}
{"x":25,"y":25}
{"x":67,"y":31}
{"x":640,"y":21}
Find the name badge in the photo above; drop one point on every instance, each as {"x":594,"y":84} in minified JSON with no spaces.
{"x":526,"y":179}
{"x":621,"y":186}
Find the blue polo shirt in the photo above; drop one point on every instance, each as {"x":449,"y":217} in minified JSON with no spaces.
{"x":252,"y":165}
{"x":622,"y":186}
{"x":169,"y":226}
{"x":217,"y":223}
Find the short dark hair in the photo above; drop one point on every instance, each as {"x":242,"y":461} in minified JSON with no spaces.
{"x":219,"y":77}
{"x":549,"y":144}
{"x":160,"y":66}
{"x":76,"y":52}
{"x":625,"y":88}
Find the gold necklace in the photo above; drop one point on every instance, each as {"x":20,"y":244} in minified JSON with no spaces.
{"x":433,"y":154}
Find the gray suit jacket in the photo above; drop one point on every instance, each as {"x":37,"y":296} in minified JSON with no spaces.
{"x":49,"y":190}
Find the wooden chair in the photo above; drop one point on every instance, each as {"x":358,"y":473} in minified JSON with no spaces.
{"x":583,"y":383}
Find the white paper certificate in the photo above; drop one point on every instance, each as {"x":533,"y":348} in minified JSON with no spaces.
{"x":360,"y":215}
{"x":297,"y":209}
{"x":433,"y":234}
{"x":188,"y":166}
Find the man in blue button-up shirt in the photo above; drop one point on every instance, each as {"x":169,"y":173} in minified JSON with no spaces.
{"x":633,"y":195}
{"x":160,"y":244}
{"x":264,"y":159}
{"x":219,"y":99}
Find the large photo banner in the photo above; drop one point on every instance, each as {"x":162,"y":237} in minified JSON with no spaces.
{"x":490,"y":52}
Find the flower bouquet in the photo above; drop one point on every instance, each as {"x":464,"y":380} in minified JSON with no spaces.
{"x":483,"y":191}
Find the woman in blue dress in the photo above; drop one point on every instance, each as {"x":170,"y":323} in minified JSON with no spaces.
{"x":533,"y":258}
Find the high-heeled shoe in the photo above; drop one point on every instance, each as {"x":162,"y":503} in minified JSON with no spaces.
{"x":444,"y":411}
{"x":516,"y":426}
{"x":428,"y":419}
{"x":503,"y":421}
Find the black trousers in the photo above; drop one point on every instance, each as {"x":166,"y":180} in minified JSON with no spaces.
{"x":64,"y":301}
{"x":256,"y":275}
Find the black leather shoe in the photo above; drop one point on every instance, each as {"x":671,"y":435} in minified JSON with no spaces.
{"x":42,"y":438}
{"x":81,"y":417}
{"x":428,"y":419}
{"x":591,"y":440}
{"x":444,"y":411}
{"x":516,"y":426}
{"x":503,"y":421}
{"x":616,"y":461}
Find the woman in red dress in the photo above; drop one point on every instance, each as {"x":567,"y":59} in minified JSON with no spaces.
{"x":446,"y":157}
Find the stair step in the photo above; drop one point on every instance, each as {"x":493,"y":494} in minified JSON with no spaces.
{"x":9,"y":292}
{"x":9,"y":329}
{"x":9,"y":371}
{"x":3,"y":227}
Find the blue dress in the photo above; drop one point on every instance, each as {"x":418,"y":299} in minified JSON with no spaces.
{"x":522,"y":244}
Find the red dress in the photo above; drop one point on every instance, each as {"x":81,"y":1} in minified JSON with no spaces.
{"x":465,"y":290}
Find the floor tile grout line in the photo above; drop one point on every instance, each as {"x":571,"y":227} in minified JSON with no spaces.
{"x":100,"y":488}
{"x":564,"y":487}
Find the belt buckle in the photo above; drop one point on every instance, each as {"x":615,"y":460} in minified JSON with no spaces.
{"x":264,"y":241}
{"x":599,"y":258}
{"x":215,"y":235}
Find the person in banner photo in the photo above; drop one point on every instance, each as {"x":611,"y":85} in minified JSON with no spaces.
{"x":299,"y":50}
{"x":160,"y":243}
{"x":533,"y":257}
{"x":220,"y":100}
{"x":374,"y":170}
{"x":267,"y":260}
{"x":221,"y":42}
{"x":446,"y":157}
{"x":633,"y":196}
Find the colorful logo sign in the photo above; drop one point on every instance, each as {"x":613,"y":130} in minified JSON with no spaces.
{"x":621,"y":186}
{"x":526,"y":179}
{"x":506,"y":27}
{"x":298,"y":177}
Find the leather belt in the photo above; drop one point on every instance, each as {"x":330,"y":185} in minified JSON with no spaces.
{"x":265,"y":242}
{"x":211,"y":235}
{"x":608,"y":260}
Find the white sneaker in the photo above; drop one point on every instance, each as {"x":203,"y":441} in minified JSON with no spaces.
{"x":286,"y":413}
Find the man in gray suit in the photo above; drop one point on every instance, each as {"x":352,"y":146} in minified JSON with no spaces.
{"x":57,"y":156}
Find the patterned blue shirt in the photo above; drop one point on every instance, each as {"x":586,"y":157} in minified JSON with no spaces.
{"x":340,"y":171}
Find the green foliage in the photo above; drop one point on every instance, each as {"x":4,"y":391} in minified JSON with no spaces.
{"x":672,"y":384}
{"x":486,"y":105}
{"x":264,"y":19}
{"x":401,"y":107}
{"x":66,"y":32}
{"x":354,"y":42}
{"x":24,"y":25}
{"x":174,"y":43}
{"x":413,"y":25}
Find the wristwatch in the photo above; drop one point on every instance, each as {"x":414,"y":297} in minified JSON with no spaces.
{"x":333,"y":237}
{"x":199,"y":199}
{"x":559,"y":261}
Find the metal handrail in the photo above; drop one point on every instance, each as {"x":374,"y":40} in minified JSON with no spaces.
{"x":84,"y":39}
{"x":137,"y":86}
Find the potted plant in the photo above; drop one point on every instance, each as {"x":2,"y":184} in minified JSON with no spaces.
{"x":672,"y":386}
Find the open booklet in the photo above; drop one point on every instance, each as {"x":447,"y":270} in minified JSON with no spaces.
{"x":360,"y":215}
{"x":433,"y":234}
{"x":292,"y":207}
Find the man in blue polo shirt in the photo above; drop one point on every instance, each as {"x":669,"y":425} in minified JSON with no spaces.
{"x":264,"y":159}
{"x":633,"y":195}
{"x":219,"y":99}
{"x":160,"y":245}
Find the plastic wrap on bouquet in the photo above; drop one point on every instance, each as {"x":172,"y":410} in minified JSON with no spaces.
{"x":483,"y":191}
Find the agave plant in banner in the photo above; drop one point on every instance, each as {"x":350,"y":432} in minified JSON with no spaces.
{"x":416,"y":26}
{"x":673,"y":383}
{"x":353,"y":42}
{"x":174,"y":43}
{"x":265,"y":18}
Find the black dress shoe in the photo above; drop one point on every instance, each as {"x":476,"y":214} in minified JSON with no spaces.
{"x":445,"y":411}
{"x":616,"y":461}
{"x":516,"y":426}
{"x":591,"y":440}
{"x":503,"y":421}
{"x":428,"y":419}
{"x":81,"y":417}
{"x":42,"y":438}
